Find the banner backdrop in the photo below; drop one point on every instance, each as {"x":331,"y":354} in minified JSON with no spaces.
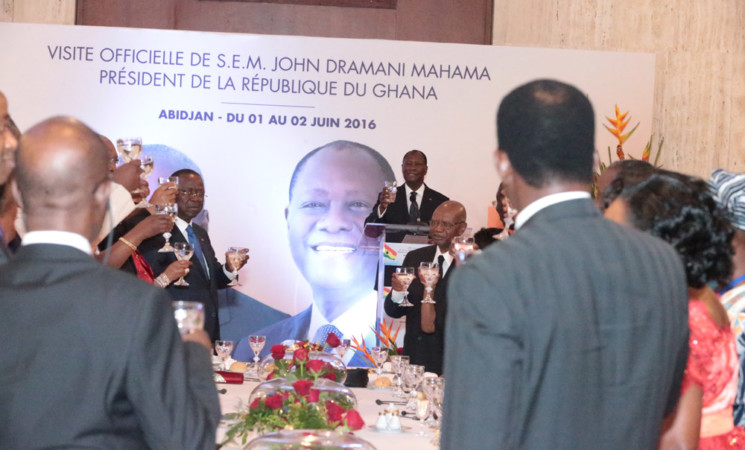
{"x":246,"y":108}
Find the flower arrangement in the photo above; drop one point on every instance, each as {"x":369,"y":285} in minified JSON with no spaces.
{"x":387,"y":338}
{"x":619,"y":123}
{"x":301,"y":367}
{"x":302,"y":408}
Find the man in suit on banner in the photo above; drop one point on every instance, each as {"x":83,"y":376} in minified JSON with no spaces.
{"x":572,"y":333}
{"x":91,"y":356}
{"x":425,"y":322}
{"x":206,"y":274}
{"x":331,"y":192}
{"x":414,"y":202}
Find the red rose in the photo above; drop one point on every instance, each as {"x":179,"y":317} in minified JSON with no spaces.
{"x":331,"y":376}
{"x":300,"y":344}
{"x":254,"y":404}
{"x":302,"y":387}
{"x":400,"y":350}
{"x":333,"y":340}
{"x":313,"y":396}
{"x":278,"y":352}
{"x":300,"y":355}
{"x":315,"y":365}
{"x":270,"y":376}
{"x":353,"y":419}
{"x":333,"y":411}
{"x":274,"y":402}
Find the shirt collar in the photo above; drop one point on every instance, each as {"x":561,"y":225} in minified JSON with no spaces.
{"x":354,"y":322}
{"x":448,"y":259}
{"x":58,"y":238}
{"x":419,"y":192}
{"x":181,"y":224}
{"x":544,"y":202}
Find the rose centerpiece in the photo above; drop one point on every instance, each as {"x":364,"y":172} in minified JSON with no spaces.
{"x":305,"y":362}
{"x":301,"y":393}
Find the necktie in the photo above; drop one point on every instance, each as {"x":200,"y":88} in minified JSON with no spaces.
{"x":441,"y":265}
{"x":323,"y":333}
{"x":413,"y":209}
{"x":197,"y":248}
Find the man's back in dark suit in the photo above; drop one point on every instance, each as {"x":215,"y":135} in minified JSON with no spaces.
{"x":573,"y":332}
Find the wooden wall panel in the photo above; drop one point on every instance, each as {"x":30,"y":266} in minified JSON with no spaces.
{"x":38,"y":11}
{"x":699,"y":104}
{"x":465,"y":21}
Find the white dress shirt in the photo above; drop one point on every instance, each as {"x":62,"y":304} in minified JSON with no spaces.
{"x":544,"y":202}
{"x":57,"y":238}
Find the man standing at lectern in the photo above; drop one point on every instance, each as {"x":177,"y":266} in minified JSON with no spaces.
{"x":414,"y":201}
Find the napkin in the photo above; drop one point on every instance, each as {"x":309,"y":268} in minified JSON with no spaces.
{"x":228,"y":377}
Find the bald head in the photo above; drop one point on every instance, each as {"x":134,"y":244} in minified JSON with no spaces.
{"x":448,"y":221}
{"x":60,"y":172}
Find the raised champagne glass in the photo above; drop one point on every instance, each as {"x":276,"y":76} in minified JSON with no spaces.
{"x":183,"y":252}
{"x":429,"y":273}
{"x":463,"y":248}
{"x":172,"y":211}
{"x":236,"y":255}
{"x":406,"y":275}
{"x":129,"y":148}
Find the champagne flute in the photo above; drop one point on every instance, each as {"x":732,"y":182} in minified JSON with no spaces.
{"x":223,"y":350}
{"x":463,"y":248}
{"x":413,"y":374}
{"x":257,"y":344}
{"x":406,"y":275}
{"x":236,"y":255}
{"x":430,"y":274}
{"x":398,"y":362}
{"x":148,"y":164}
{"x":172,"y":211}
{"x":379,"y":354}
{"x":183,"y":252}
{"x":389,"y":189}
{"x":189,"y":316}
{"x":422,"y":412}
{"x":129,"y":148}
{"x":342,"y":348}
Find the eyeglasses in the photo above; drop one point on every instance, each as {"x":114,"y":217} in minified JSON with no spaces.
{"x":446,"y":225}
{"x":192,"y":193}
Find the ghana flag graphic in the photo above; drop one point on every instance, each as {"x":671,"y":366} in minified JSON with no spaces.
{"x":389,"y":253}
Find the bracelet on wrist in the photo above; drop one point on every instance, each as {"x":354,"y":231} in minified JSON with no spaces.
{"x":128,"y":244}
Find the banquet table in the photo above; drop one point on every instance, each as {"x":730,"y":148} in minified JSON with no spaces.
{"x":237,"y":393}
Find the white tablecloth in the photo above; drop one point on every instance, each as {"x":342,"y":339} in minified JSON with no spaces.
{"x":365,"y":405}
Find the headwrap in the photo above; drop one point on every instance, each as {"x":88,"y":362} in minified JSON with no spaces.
{"x":728,"y":189}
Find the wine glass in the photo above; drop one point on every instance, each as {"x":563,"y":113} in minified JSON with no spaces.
{"x":430,"y":274}
{"x":406,"y":275}
{"x":257,"y":344}
{"x":379,"y":354}
{"x":223,"y":350}
{"x":389,"y":189}
{"x":343,"y":346}
{"x":413,"y":374}
{"x":129,"y":148}
{"x":398,"y":363}
{"x":171,"y":210}
{"x":236,"y":255}
{"x":463,"y":248}
{"x":148,"y":164}
{"x":183,"y":252}
{"x":189,"y":316}
{"x":422,"y":412}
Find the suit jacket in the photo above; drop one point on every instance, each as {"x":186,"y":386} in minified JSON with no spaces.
{"x":202,"y":288}
{"x":398,"y":213}
{"x":572,"y":333}
{"x":92,"y":358}
{"x":423,"y":348}
{"x":295,"y":327}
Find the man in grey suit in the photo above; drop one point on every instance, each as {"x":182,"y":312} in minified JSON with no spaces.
{"x":572,"y":333}
{"x":91,"y":356}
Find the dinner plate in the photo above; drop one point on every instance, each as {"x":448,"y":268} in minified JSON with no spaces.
{"x":403,"y":429}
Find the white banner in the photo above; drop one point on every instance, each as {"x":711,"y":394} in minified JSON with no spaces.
{"x":246,"y":108}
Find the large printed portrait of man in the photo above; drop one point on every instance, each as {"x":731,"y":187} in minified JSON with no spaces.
{"x":332,"y":190}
